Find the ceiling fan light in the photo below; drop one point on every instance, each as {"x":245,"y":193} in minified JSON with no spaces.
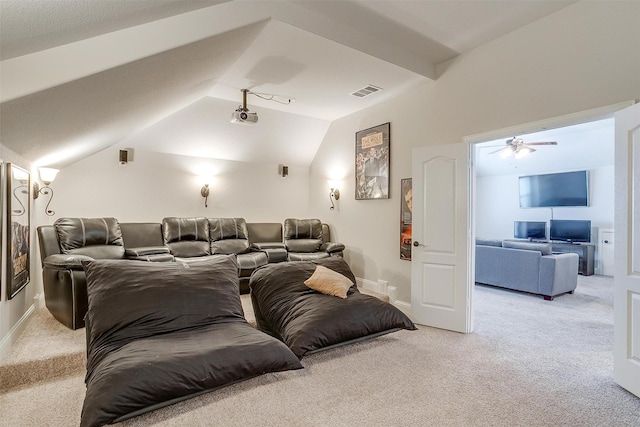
{"x":506,"y":153}
{"x":522,"y":153}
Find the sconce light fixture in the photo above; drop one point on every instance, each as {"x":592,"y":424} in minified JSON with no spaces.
{"x":47,"y":176}
{"x":334,"y":193}
{"x":204,"y":192}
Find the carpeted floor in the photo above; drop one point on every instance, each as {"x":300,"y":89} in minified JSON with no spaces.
{"x":529,"y":362}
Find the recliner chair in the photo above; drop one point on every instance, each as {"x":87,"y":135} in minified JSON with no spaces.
{"x":308,"y":239}
{"x":63,"y":247}
{"x":192,"y":238}
{"x":230,"y":236}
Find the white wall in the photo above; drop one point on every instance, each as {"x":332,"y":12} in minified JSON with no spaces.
{"x":157,"y":185}
{"x":497,"y":204}
{"x":13,"y":312}
{"x":583,"y":57}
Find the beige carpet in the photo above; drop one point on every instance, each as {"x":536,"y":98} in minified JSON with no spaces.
{"x":529,"y":362}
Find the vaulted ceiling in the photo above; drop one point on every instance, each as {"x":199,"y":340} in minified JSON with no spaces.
{"x":78,"y":76}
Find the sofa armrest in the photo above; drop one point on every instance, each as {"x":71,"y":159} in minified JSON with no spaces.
{"x":332,"y":247}
{"x":558,"y":274}
{"x":144,"y":251}
{"x":268,"y":245}
{"x":65,"y":261}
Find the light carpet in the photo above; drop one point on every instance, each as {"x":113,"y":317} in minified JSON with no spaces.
{"x":529,"y":362}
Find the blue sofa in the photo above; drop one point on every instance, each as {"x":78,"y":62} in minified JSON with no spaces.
{"x":526,"y":266}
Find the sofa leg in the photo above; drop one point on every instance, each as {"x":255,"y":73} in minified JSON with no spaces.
{"x":571,"y":292}
{"x":548,"y":298}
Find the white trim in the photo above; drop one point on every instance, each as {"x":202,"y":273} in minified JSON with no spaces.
{"x":370,"y":285}
{"x":403,"y":306}
{"x":382,"y":287}
{"x":550,"y":123}
{"x":18,"y":328}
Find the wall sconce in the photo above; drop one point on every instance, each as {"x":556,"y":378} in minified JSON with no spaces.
{"x":47,"y":176}
{"x":204,"y":192}
{"x":334,"y":193}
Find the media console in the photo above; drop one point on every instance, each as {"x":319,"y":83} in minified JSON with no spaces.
{"x":586,"y":252}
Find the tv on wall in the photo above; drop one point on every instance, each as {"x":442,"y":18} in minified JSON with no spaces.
{"x":570,"y":230}
{"x":530,"y":230}
{"x":554,"y":189}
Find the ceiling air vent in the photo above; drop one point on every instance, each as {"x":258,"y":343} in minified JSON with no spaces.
{"x":365,"y":91}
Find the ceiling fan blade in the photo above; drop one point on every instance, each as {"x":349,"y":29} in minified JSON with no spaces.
{"x":491,"y":146}
{"x":541,"y":143}
{"x":502,"y":149}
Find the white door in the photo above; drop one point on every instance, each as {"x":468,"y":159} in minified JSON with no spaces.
{"x":440,"y":273}
{"x":626,"y":361}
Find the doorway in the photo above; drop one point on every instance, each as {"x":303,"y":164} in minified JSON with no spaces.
{"x":582,"y":147}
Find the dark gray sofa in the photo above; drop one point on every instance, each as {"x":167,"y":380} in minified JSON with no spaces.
{"x":525,"y":266}
{"x":64,"y":245}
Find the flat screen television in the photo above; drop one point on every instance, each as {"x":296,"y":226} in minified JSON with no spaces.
{"x":554,"y":189}
{"x":570,"y":230}
{"x":530,"y":230}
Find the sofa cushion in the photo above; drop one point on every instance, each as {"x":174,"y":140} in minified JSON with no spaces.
{"x":543,"y":248}
{"x":94,"y":237}
{"x":186,"y":237}
{"x":329,"y":282}
{"x":488,"y":242}
{"x":228,"y":235}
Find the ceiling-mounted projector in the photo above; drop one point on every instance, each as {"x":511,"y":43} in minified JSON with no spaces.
{"x":242,"y":114}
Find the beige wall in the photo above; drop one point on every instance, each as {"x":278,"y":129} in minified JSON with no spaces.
{"x":156,"y":185}
{"x":583,"y":57}
{"x":12,"y":311}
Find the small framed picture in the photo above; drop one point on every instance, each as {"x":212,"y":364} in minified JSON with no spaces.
{"x":372,"y":162}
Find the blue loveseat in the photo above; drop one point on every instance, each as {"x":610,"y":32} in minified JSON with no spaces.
{"x":526,"y":266}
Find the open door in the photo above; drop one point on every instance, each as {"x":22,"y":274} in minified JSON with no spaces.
{"x":626,"y":364}
{"x":440,"y":272}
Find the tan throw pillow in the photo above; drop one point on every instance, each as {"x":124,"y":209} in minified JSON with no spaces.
{"x":329,"y":282}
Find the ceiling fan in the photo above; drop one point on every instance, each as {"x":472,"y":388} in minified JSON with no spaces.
{"x":518,"y":147}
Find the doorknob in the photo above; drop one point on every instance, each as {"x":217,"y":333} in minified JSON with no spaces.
{"x":606,"y":241}
{"x":416,"y":244}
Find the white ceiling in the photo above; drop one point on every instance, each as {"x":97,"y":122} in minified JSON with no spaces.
{"x":582,"y":146}
{"x":78,"y":76}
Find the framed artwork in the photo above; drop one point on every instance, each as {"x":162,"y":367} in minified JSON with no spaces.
{"x":372,"y":162}
{"x":18,"y":199}
{"x":406,"y":212}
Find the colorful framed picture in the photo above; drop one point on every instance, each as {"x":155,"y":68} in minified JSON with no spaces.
{"x":18,"y":200}
{"x":406,"y":213}
{"x":372,"y":162}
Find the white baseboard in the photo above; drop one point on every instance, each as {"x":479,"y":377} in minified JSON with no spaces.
{"x":383,"y":288}
{"x":403,"y":306}
{"x":18,"y":328}
{"x":379,"y":286}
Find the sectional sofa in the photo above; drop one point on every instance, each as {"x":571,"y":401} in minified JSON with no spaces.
{"x":70,"y":241}
{"x":525,"y":266}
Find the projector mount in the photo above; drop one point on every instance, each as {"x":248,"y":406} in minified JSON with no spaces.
{"x":242,"y":113}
